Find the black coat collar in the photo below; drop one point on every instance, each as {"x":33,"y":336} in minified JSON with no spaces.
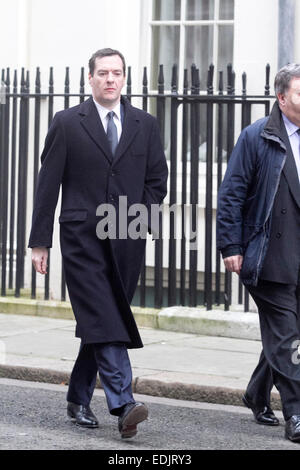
{"x":273,"y":125}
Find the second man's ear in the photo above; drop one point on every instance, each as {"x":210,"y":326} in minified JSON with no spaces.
{"x":281,"y":98}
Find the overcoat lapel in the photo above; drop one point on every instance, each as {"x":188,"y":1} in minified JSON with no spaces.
{"x":290,"y":169}
{"x":130,"y":127}
{"x":92,"y":124}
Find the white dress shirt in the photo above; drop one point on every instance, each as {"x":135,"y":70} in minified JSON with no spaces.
{"x":103,"y":116}
{"x":294,"y":138}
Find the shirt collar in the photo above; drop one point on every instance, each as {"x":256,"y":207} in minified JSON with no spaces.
{"x":291,"y":128}
{"x":103,"y":111}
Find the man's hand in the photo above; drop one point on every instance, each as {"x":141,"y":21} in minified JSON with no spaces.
{"x":39,"y":259}
{"x":233,"y":263}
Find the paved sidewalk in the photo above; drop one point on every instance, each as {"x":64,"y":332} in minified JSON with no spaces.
{"x":176,"y":365}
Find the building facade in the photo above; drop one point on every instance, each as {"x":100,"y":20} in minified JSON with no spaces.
{"x":64,"y":33}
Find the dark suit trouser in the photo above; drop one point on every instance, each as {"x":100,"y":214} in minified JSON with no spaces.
{"x":112,"y":362}
{"x":279,"y":364}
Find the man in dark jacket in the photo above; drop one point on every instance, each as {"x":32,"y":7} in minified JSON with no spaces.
{"x":100,"y":152}
{"x":258,"y":233}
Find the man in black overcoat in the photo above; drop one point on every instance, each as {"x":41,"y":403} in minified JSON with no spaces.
{"x":258,"y":227}
{"x":100,"y":152}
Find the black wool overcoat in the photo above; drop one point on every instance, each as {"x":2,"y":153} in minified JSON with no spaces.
{"x":101,"y":275}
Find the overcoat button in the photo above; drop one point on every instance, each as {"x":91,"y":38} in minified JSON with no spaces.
{"x":278,"y":234}
{"x":283,"y":211}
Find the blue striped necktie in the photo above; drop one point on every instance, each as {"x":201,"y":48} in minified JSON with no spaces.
{"x":112,"y":133}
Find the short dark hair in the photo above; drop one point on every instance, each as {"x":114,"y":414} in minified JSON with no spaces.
{"x":284,"y":76}
{"x":104,"y":53}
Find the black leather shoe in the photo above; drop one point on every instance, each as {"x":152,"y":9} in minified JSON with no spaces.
{"x":82,"y":415}
{"x":263,"y":414}
{"x":132,"y":414}
{"x":292,"y":428}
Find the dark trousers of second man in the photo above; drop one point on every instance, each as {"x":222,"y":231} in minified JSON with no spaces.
{"x":279,"y":364}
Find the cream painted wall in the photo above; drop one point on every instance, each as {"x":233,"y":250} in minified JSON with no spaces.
{"x":69,"y":31}
{"x":297,"y":32}
{"x":255,"y":41}
{"x":9,"y":33}
{"x":63,"y":33}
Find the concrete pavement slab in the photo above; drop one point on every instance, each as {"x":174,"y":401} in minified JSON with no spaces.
{"x":172,"y":364}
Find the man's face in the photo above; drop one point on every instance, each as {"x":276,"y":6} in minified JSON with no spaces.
{"x":108,"y":80}
{"x":289,"y":103}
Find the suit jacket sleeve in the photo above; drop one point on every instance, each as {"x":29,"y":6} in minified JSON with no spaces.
{"x":53,"y":160}
{"x":155,"y":186}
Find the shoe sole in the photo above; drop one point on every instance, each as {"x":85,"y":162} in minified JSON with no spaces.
{"x":265,"y":424}
{"x":296,"y":439}
{"x":73,"y":420}
{"x":134,"y":417}
{"x":246,"y":403}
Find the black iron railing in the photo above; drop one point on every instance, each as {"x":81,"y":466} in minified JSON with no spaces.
{"x":198,"y":129}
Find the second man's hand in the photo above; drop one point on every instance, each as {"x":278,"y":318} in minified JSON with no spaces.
{"x":234,"y":263}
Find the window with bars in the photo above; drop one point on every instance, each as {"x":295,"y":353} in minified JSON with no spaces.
{"x":191,"y":31}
